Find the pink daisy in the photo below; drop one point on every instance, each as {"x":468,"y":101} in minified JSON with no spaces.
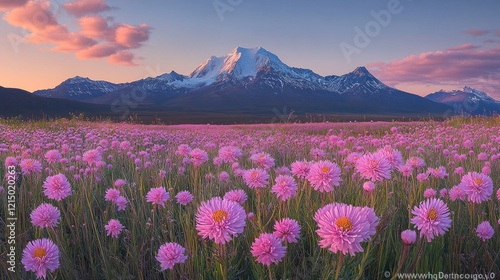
{"x":256,"y":178}
{"x":415,"y":162}
{"x":121,"y":203}
{"x":57,"y":187}
{"x":220,"y":220}
{"x":114,"y":228}
{"x":285,"y":187}
{"x":157,"y":196}
{"x":457,"y":193}
{"x":120,"y":183}
{"x":264,"y":160}
{"x":238,"y":196}
{"x":184,"y":197}
{"x":408,"y":237}
{"x":343,"y":227}
{"x":430,"y":193}
{"x":30,"y":166}
{"x":223,"y":176}
{"x":92,"y":157}
{"x":287,"y":230}
{"x":300,"y":169}
{"x":485,"y":231}
{"x":432,"y":218}
{"x":45,"y":215}
{"x":170,"y":254}
{"x":393,"y":156}
{"x":183,"y":150}
{"x":39,"y":256}
{"x":10,"y":161}
{"x":198,"y":157}
{"x":111,"y":195}
{"x":268,"y":249}
{"x":374,"y":167}
{"x":369,"y":187}
{"x":324,"y":175}
{"x":53,"y":156}
{"x":229,"y":154}
{"x":477,"y":186}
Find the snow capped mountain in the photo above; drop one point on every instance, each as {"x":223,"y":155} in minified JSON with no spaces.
{"x":79,"y":88}
{"x":252,"y":79}
{"x":467,"y":100}
{"x":359,"y":81}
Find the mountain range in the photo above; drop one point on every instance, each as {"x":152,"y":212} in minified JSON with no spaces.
{"x":467,"y":101}
{"x":254,"y":82}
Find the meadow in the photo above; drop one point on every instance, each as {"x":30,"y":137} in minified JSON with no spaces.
{"x":296,"y":201}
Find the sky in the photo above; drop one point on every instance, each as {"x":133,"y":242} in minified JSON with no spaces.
{"x":417,"y":46}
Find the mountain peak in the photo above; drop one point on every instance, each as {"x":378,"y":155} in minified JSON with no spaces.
{"x":361,"y":71}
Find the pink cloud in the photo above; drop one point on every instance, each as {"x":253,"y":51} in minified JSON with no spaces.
{"x":122,"y":58}
{"x":132,"y":36}
{"x":8,"y":4}
{"x":98,"y":37}
{"x":80,"y":8}
{"x":476,"y":32}
{"x":465,"y":65}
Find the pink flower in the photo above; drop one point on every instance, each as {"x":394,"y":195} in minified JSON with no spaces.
{"x":415,"y":162}
{"x":374,"y":167}
{"x":57,"y":187}
{"x":256,"y":178}
{"x":369,"y":187}
{"x":30,"y":166}
{"x":432,"y":218}
{"x":430,"y":193}
{"x":184,"y":197}
{"x":238,"y":196}
{"x":264,"y":160}
{"x":229,"y":154}
{"x":324,"y":175}
{"x":485,"y":231}
{"x":170,"y":254}
{"x":393,"y":156}
{"x":457,"y":193}
{"x":300,"y":169}
{"x":220,"y":220}
{"x":53,"y":156}
{"x":39,"y":256}
{"x":10,"y":161}
{"x":422,"y":177}
{"x":477,"y":186}
{"x":223,"y":176}
{"x":268,"y":249}
{"x":92,"y":157}
{"x":498,"y":194}
{"x":443,"y":193}
{"x":285,"y":187}
{"x":157,"y":196}
{"x":198,"y":157}
{"x":408,"y":237}
{"x":343,"y":227}
{"x":114,"y":228}
{"x":287,"y":230}
{"x":111,"y":195}
{"x":120,"y":183}
{"x":183,"y":150}
{"x":121,"y":203}
{"x":45,"y":215}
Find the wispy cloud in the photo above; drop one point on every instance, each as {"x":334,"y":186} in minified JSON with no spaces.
{"x":476,"y":32}
{"x":8,"y":4}
{"x":466,"y":65}
{"x":98,"y":37}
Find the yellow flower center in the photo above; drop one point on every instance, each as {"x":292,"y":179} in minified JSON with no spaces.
{"x":30,"y":163}
{"x":433,"y":214}
{"x":325,"y":169}
{"x":262,"y":156}
{"x":373,"y":163}
{"x":219,"y":215}
{"x":254,"y":175}
{"x":478,"y":181}
{"x":344,"y":223}
{"x":40,"y":252}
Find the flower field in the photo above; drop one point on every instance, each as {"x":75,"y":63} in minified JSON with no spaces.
{"x":287,"y":201}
